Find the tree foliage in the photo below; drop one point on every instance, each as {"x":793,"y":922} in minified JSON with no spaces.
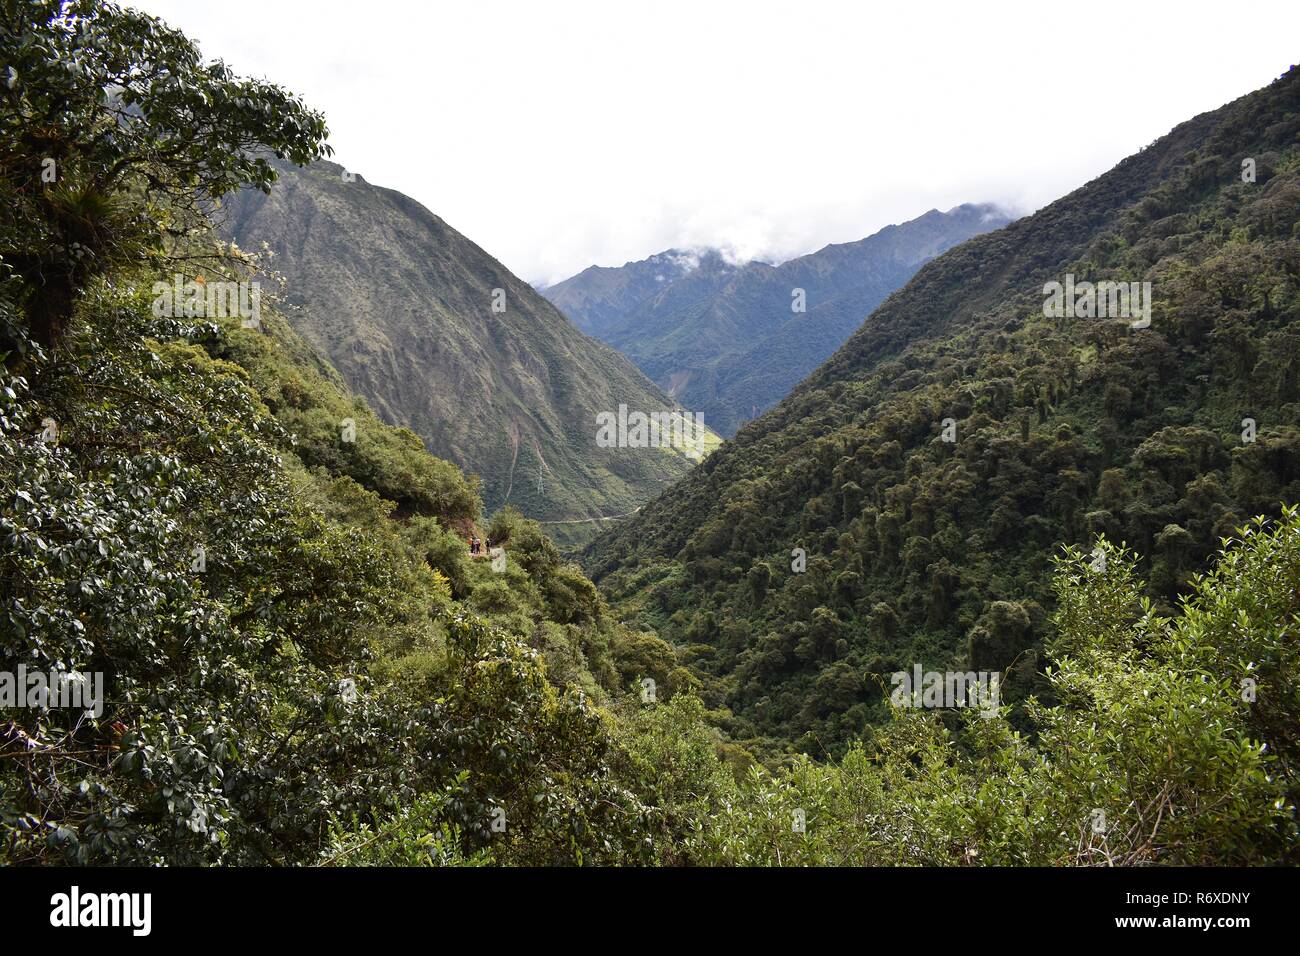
{"x":112,"y":127}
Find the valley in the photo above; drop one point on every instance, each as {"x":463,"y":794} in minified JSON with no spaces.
{"x":331,"y":543}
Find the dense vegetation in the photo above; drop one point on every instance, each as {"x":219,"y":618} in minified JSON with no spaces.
{"x":1172,"y":740}
{"x":1066,"y":430}
{"x":304,"y":666}
{"x":229,"y":732}
{"x":724,"y":338}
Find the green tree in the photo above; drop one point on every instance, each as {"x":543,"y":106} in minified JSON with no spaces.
{"x":113,"y":130}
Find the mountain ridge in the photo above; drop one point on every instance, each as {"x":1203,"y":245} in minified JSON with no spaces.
{"x":729,"y":338}
{"x":924,"y":549}
{"x":406,"y":308}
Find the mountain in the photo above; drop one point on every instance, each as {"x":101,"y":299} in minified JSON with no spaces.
{"x":236,"y":634}
{"x":602,"y":301}
{"x":724,"y":338}
{"x":599,"y":298}
{"x":403,"y":306}
{"x":905,"y":503}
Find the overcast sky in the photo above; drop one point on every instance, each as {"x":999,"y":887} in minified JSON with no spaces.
{"x":560,"y":134}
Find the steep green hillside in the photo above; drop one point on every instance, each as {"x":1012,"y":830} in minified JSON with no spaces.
{"x":266,"y":590}
{"x":294,"y":639}
{"x":724,"y":338}
{"x":939,"y":552}
{"x":403,"y":306}
{"x":294,"y":661}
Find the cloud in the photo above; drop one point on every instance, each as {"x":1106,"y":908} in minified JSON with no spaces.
{"x":563,"y":135}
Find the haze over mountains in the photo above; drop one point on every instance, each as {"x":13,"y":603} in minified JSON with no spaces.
{"x":727,"y":338}
{"x":403,"y":306}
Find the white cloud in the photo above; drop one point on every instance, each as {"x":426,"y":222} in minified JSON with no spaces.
{"x":563,"y":134}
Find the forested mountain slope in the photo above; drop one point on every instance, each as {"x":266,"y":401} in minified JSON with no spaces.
{"x":1064,"y":430}
{"x":296,"y":662}
{"x":726,"y":338}
{"x":266,"y":590}
{"x":408,"y":311}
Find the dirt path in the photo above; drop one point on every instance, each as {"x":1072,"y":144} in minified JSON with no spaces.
{"x":592,"y":520}
{"x":514,"y":437}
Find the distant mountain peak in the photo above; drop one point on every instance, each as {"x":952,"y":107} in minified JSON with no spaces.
{"x":718,"y":333}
